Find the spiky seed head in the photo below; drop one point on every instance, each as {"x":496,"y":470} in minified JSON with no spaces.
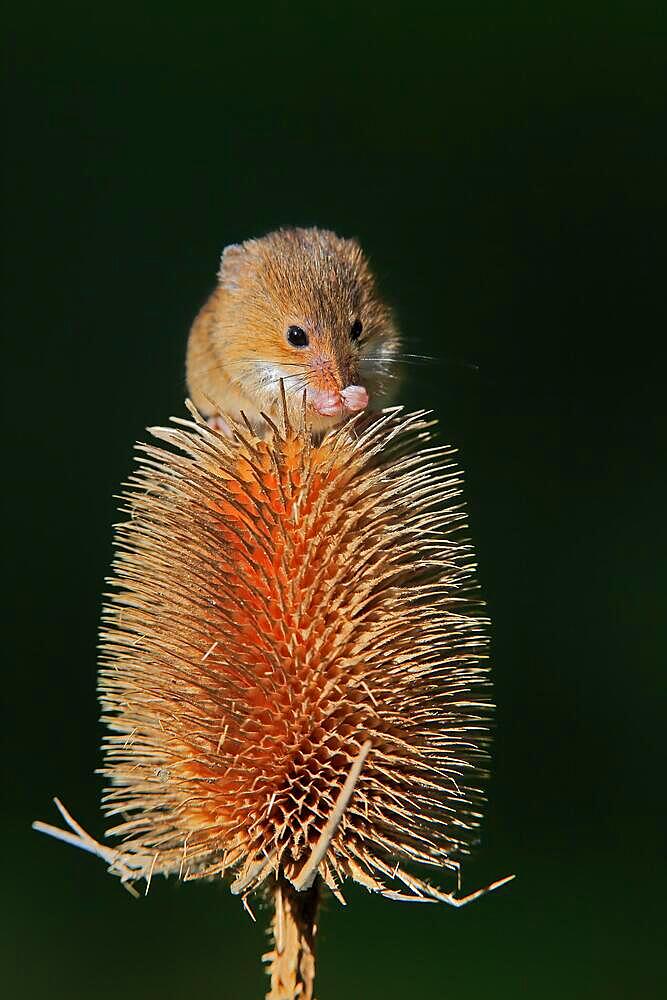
{"x":289,"y":617}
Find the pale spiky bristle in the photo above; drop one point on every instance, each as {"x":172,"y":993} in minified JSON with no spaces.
{"x":293,"y":660}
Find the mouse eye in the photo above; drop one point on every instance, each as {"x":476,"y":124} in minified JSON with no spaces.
{"x":297,"y":337}
{"x":357,"y":327}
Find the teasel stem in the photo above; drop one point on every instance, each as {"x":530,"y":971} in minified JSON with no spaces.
{"x":294,"y":926}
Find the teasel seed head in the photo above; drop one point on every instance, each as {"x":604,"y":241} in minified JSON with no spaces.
{"x":287,"y":614}
{"x":293,"y":670}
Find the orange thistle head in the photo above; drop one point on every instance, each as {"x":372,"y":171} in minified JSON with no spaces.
{"x":292,"y":664}
{"x":293,"y":670}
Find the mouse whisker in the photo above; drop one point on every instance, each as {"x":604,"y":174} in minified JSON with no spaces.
{"x":398,"y":361}
{"x":383,"y":374}
{"x":419,"y":359}
{"x":284,"y":378}
{"x":297,"y":390}
{"x":245,"y":362}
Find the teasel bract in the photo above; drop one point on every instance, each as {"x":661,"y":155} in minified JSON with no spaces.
{"x":293,"y":670}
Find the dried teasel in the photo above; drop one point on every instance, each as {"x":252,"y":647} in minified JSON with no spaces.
{"x":293,"y":670}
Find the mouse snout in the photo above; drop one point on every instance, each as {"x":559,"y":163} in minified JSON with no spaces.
{"x":327,"y":403}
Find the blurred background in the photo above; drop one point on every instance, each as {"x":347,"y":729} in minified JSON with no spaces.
{"x":504,"y":167}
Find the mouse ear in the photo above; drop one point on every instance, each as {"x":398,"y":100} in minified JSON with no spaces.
{"x":231,"y":264}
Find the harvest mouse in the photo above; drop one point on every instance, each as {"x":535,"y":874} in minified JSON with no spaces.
{"x":298,"y":305}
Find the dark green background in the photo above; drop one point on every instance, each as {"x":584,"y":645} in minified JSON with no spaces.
{"x":504,"y":165}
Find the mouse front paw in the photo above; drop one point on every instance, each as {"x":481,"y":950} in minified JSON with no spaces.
{"x":218,"y":423}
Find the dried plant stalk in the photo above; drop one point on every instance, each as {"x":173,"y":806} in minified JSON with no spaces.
{"x":293,"y":669}
{"x":292,"y":960}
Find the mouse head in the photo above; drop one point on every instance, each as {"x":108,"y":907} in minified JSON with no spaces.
{"x":303,"y":307}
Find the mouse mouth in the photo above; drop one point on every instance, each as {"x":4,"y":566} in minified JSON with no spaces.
{"x":351,"y":399}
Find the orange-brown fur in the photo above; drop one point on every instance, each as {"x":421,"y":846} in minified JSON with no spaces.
{"x":238,"y":349}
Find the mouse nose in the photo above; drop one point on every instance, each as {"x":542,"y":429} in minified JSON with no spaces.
{"x":325,"y":402}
